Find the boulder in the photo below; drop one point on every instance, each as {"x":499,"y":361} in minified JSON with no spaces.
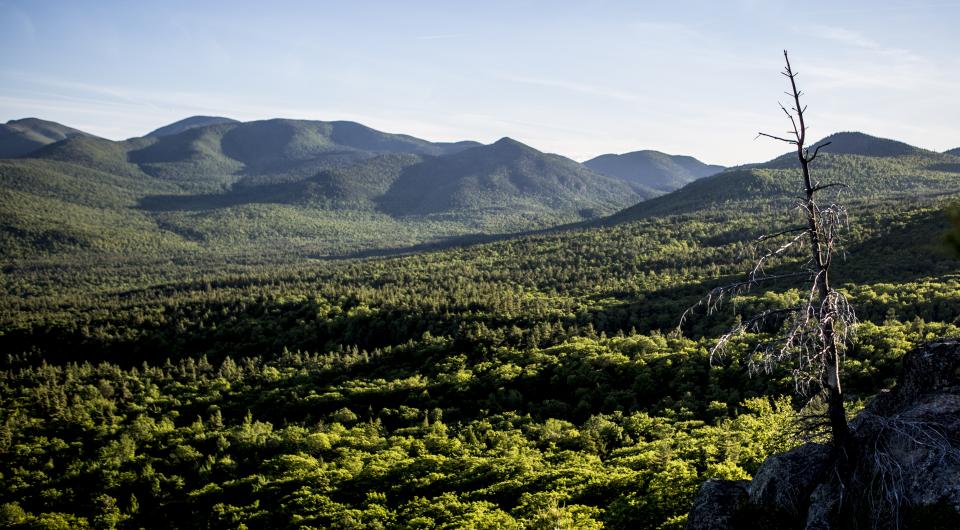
{"x":784,"y":482}
{"x":903,"y":469}
{"x":717,"y":503}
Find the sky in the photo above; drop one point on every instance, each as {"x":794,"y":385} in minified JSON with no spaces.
{"x":579,"y":78}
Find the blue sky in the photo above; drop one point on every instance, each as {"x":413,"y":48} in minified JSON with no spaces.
{"x":576,"y":78}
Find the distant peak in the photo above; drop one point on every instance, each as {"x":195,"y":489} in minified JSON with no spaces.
{"x":205,"y":119}
{"x":190,"y":123}
{"x":26,"y":135}
{"x":506,"y":141}
{"x":349,"y":123}
{"x":645,"y":152}
{"x":858,"y":143}
{"x":27,"y":120}
{"x":849,"y":135}
{"x":36,"y":122}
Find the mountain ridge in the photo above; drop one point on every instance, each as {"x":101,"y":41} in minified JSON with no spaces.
{"x":190,"y":123}
{"x":300,"y":184}
{"x":502,"y":175}
{"x":865,"y":166}
{"x":859,"y":143}
{"x":649,"y":169}
{"x":24,"y":136}
{"x":293,"y":184}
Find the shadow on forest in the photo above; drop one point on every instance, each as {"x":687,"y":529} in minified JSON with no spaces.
{"x":949,"y":167}
{"x":917,"y":246}
{"x":282,"y":193}
{"x":218,"y":327}
{"x":430,"y":246}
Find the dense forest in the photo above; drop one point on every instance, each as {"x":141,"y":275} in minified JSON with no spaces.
{"x":531,"y":382}
{"x":479,"y":265}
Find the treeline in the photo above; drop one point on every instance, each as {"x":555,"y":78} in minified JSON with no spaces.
{"x":531,"y":291}
{"x":537,"y":382}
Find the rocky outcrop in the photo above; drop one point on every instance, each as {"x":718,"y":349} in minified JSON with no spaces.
{"x":783,"y":483}
{"x":717,"y":504}
{"x":903,"y":471}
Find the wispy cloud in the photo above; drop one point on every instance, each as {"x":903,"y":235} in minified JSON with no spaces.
{"x":119,"y":112}
{"x":856,"y":39}
{"x":834,"y":9}
{"x":862,"y":61}
{"x":575,"y":86}
{"x":843,"y":36}
{"x":440,"y":36}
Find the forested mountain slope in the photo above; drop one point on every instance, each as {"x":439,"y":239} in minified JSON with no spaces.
{"x":22,"y":137}
{"x":504,"y":176}
{"x":284,"y":187}
{"x":190,"y":123}
{"x":537,"y":381}
{"x":652,"y":169}
{"x":867,"y":168}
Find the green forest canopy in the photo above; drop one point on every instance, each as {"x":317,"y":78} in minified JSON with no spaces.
{"x":536,"y":381}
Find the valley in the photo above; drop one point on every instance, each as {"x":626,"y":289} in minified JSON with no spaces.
{"x":176,"y":351}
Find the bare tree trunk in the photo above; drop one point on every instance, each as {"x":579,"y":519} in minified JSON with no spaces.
{"x":812,"y":335}
{"x":821,"y":261}
{"x":815,"y":333}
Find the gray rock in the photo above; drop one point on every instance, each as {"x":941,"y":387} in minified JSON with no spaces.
{"x":906,"y":471}
{"x":909,"y":459}
{"x":784,"y":482}
{"x":824,"y":505}
{"x":717,"y":504}
{"x":934,"y":367}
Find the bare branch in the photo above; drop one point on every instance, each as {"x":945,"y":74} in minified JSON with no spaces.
{"x":758,"y":267}
{"x":794,"y":142}
{"x":782,"y":232}
{"x":831,"y":185}
{"x":792,"y":121}
{"x":817,"y":150}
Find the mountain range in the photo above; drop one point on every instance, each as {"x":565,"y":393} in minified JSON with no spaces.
{"x":313,"y":186}
{"x":278,"y":186}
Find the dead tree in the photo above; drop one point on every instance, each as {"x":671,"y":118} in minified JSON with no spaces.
{"x":815,"y":333}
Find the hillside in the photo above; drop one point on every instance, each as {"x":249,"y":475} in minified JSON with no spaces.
{"x":286,"y":186}
{"x":207,"y":158}
{"x":293,"y":187}
{"x":356,"y":186}
{"x":190,"y":123}
{"x":652,"y":170}
{"x":22,"y":137}
{"x":954,"y":152}
{"x":857,"y":143}
{"x":505,"y":176}
{"x":503,"y":187}
{"x":537,"y":381}
{"x":868,"y":167}
{"x":161,"y":307}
